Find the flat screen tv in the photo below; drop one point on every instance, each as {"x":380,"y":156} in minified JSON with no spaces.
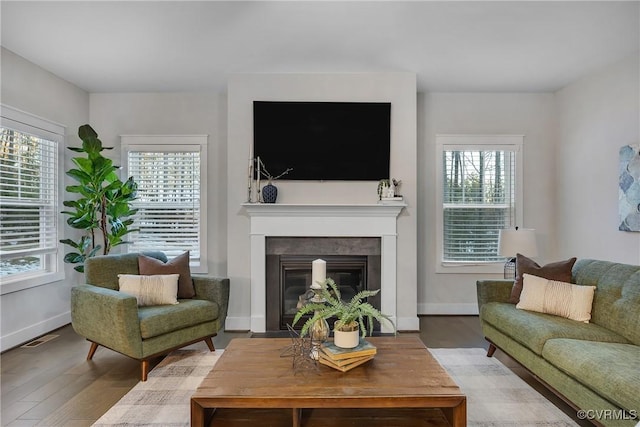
{"x":348,"y":141}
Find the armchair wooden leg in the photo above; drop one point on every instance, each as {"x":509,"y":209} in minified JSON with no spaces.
{"x":144,"y":365}
{"x":492,"y":349}
{"x":92,"y":350}
{"x":210,"y":344}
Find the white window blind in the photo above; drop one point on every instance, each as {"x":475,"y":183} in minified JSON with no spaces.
{"x":169,"y":198}
{"x":29,"y":182}
{"x":479,"y":195}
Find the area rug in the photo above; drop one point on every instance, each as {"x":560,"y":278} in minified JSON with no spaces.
{"x":164,"y":399}
{"x":495,"y":395}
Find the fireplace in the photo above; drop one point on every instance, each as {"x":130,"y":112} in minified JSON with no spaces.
{"x":273,"y":221}
{"x":352,"y":262}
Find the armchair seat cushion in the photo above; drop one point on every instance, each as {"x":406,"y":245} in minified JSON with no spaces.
{"x":162,"y":319}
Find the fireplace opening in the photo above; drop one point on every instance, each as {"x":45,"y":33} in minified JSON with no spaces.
{"x":349,"y":274}
{"x":353,"y":264}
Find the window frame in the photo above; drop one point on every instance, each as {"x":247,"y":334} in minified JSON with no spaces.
{"x":447,"y":142}
{"x":23,"y":121}
{"x":172,"y":143}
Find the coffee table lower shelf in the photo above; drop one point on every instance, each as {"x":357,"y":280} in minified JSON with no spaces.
{"x":336,"y":417}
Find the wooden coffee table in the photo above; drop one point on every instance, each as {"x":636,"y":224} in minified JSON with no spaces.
{"x":252,"y":382}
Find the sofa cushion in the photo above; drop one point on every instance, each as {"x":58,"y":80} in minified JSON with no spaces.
{"x":558,"y":298}
{"x":560,"y":271}
{"x":532,"y":330}
{"x":159,"y":320}
{"x":178,"y":265}
{"x":617,"y":298}
{"x":609,"y":369}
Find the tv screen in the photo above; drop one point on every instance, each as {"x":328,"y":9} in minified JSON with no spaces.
{"x":348,"y":141}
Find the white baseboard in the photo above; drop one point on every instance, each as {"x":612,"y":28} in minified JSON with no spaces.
{"x":408,"y":324}
{"x":237,"y":324}
{"x":448,"y":308}
{"x":14,"y":339}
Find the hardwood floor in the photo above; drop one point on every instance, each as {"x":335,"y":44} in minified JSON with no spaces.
{"x":54,"y":385}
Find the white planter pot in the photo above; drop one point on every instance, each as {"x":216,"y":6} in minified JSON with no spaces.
{"x":346,"y":339}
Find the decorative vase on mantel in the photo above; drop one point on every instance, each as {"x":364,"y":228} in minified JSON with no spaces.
{"x":269,"y":193}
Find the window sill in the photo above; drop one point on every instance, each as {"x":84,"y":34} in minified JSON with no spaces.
{"x":30,"y":281}
{"x":199,"y":268}
{"x":469,"y":268}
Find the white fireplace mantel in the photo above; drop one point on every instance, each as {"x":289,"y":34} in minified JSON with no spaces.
{"x":373,"y":209}
{"x":326,"y":220}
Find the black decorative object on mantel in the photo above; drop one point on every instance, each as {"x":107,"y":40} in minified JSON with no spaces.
{"x":269,"y":193}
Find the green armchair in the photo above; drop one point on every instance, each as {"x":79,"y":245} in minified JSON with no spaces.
{"x":109,"y":318}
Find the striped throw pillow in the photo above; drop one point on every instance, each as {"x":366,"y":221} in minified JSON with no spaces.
{"x":159,"y":289}
{"x":557,"y":298}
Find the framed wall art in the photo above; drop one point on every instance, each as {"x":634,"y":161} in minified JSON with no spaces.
{"x":629,"y":188}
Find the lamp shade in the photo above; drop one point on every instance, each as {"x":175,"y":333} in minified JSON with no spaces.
{"x":517,"y":241}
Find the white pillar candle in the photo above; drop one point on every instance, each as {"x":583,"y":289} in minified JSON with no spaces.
{"x":318,"y":273}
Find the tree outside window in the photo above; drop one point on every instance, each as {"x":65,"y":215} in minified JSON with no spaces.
{"x":479,"y":195}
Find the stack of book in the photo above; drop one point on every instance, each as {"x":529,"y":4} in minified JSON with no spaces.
{"x":344,"y":359}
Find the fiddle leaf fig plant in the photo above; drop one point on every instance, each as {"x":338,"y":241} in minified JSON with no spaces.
{"x":102,"y":208}
{"x":350,"y":315}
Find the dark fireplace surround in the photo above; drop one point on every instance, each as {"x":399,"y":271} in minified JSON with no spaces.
{"x":353,"y":262}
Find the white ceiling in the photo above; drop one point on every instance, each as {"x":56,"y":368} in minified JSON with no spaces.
{"x":148,"y":46}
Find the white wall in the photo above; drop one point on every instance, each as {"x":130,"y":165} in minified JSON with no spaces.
{"x":202,"y":113}
{"x":531,"y":115}
{"x":597,"y":115}
{"x":400,"y":90}
{"x":35,"y":311}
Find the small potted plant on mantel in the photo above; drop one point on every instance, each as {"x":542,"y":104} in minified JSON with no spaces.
{"x":350,"y":323}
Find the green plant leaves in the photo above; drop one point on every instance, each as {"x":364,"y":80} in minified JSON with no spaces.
{"x":86,"y":132}
{"x":85,"y":165}
{"x":92,"y":146}
{"x":73,"y":257}
{"x":356,"y":310}
{"x":103,"y":206}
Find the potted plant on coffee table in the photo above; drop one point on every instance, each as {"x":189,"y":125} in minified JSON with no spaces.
{"x":351,"y":315}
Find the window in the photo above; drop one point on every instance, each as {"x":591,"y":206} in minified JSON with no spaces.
{"x":29,"y":191}
{"x":171,"y":175}
{"x":479,"y":193}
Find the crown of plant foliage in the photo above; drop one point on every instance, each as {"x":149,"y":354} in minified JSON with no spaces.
{"x":102,"y":205}
{"x":347,"y":313}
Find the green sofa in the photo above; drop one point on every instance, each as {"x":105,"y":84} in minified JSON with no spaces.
{"x":594,"y":366}
{"x":109,"y":318}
